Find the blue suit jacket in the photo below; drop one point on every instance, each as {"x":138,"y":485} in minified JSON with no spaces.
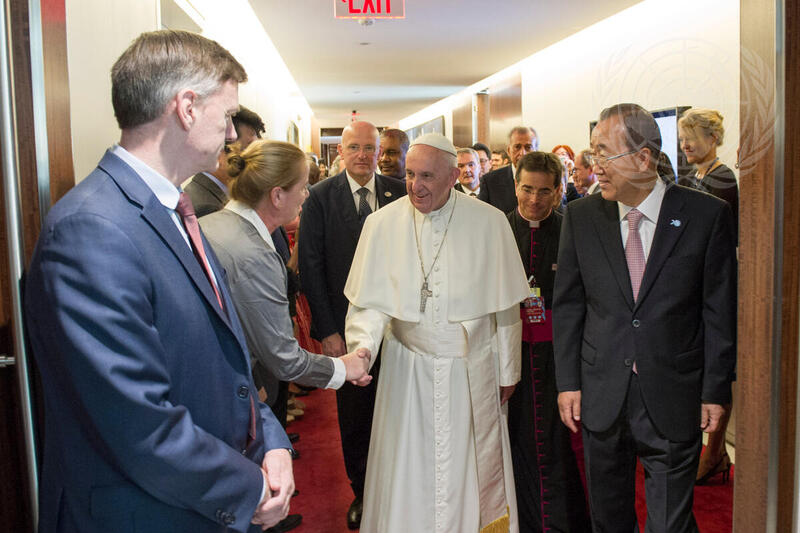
{"x":147,"y":381}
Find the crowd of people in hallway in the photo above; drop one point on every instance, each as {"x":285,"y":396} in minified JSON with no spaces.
{"x":508,"y":331}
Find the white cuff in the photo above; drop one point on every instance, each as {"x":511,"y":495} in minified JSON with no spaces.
{"x":339,"y":374}
{"x":509,"y":345}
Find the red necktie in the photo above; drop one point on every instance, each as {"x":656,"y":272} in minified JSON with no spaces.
{"x":186,"y":210}
{"x":634,"y":251}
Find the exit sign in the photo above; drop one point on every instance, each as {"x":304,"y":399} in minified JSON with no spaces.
{"x":374,"y":9}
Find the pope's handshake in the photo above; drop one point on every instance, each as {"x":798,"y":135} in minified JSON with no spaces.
{"x":357,"y":366}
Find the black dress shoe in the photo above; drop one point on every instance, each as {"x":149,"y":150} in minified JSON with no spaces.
{"x":293,"y":437}
{"x":287,"y":524}
{"x":354,"y":513}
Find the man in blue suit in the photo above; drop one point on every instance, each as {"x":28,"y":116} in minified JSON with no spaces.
{"x":151,"y":420}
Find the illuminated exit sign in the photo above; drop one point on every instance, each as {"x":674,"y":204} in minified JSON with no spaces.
{"x":374,"y":9}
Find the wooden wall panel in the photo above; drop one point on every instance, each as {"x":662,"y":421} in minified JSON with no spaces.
{"x":462,"y":123}
{"x":769,"y":267}
{"x":483,"y":118}
{"x":790,"y":281}
{"x":15,"y":513}
{"x":505,"y":110}
{"x":59,"y":132}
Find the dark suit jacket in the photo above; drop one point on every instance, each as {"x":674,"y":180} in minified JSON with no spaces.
{"x":146,"y":380}
{"x":328,"y":234}
{"x":498,"y":189}
{"x":206,"y":195}
{"x":460,"y":188}
{"x":681,"y":331}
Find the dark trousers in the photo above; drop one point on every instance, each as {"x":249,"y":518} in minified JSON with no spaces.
{"x":670,"y":469}
{"x":355,"y":405}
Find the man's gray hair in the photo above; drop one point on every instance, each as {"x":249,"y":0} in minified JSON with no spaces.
{"x":158,"y":64}
{"x":469,"y":151}
{"x":525,"y":130}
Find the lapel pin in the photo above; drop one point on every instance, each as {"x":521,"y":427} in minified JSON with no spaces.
{"x":675,"y":223}
{"x":387,"y":194}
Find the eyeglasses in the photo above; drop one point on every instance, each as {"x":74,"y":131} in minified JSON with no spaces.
{"x":356,"y":148}
{"x":603,"y":161}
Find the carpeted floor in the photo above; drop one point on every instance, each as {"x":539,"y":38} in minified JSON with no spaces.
{"x":325,"y":492}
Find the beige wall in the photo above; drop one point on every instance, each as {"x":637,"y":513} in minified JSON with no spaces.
{"x":658,"y":54}
{"x":97,"y":33}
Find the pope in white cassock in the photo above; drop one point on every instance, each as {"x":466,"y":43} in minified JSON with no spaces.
{"x":437,"y":277}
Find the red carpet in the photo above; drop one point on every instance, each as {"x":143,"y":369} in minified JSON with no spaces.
{"x":325,"y":492}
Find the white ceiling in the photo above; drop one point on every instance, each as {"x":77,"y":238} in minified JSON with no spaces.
{"x":440,"y":47}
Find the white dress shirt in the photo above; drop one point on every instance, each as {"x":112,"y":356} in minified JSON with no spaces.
{"x":650,"y":208}
{"x":372,"y":197}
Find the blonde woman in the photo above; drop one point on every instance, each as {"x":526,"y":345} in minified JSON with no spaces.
{"x":700,"y":132}
{"x":268,"y":187}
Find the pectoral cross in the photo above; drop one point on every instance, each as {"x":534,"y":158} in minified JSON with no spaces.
{"x":424,"y":294}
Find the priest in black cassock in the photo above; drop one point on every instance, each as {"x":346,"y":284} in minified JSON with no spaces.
{"x":550,"y":493}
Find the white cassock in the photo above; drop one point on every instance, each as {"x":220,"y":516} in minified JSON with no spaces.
{"x":439,"y":455}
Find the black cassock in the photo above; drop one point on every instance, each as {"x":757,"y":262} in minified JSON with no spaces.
{"x":550,"y":494}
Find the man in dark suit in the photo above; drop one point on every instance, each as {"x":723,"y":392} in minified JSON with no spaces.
{"x":644,"y":326}
{"x":329,"y":229}
{"x":497,"y":187}
{"x":392,"y":162}
{"x":209,"y":190}
{"x":151,"y":420}
{"x":469,"y":168}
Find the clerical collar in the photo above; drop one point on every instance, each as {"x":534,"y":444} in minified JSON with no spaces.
{"x":535,"y":223}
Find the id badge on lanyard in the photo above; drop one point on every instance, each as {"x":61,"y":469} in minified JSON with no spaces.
{"x":533,"y":305}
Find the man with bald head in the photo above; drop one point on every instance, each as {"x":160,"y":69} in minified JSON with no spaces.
{"x":448,"y":317}
{"x":498,"y":186}
{"x":330,"y":226}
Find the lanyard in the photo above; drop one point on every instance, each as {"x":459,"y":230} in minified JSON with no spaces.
{"x":532,"y":278}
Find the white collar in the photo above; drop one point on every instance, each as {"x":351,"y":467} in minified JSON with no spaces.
{"x":216,"y":180}
{"x":166,"y":193}
{"x":650,"y":206}
{"x":354,"y":186}
{"x":250,"y":215}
